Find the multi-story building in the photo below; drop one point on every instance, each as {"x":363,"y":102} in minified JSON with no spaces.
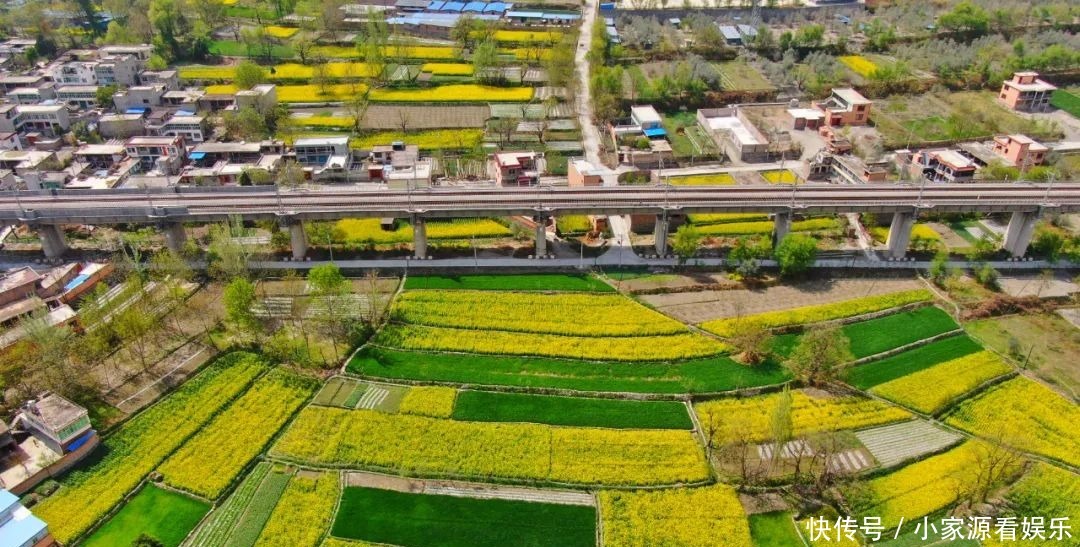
{"x":190,"y":127}
{"x":1026,"y":92}
{"x":72,"y":72}
{"x":138,"y":97}
{"x":51,"y":120}
{"x":262,"y":97}
{"x":141,"y":52}
{"x":121,"y":70}
{"x":100,"y":156}
{"x":516,"y":168}
{"x":942,"y":165}
{"x":121,"y":126}
{"x":55,"y":421}
{"x":845,"y":106}
{"x":78,"y":96}
{"x":1019,"y":150}
{"x":165,"y":154}
{"x":317,"y":152}
{"x":9,"y":82}
{"x":167,"y":78}
{"x":32,"y":95}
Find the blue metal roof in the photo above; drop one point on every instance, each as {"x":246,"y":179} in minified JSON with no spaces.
{"x":23,"y":527}
{"x":453,"y":6}
{"x":196,"y":155}
{"x":655,"y":132}
{"x":136,"y":110}
{"x":435,"y":5}
{"x":497,"y":7}
{"x":81,"y":440}
{"x":475,"y":7}
{"x":79,"y":280}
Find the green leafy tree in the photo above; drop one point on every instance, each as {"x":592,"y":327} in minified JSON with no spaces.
{"x":104,"y":95}
{"x":330,"y":286}
{"x":966,"y":18}
{"x":781,"y":428}
{"x":239,"y":296}
{"x":248,"y":75}
{"x":819,"y":354}
{"x":795,"y":254}
{"x":485,"y":59}
{"x":686,"y":242}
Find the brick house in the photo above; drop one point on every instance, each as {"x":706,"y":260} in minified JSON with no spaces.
{"x":1026,"y":92}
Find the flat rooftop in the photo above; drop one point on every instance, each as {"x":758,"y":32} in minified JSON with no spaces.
{"x":736,"y":128}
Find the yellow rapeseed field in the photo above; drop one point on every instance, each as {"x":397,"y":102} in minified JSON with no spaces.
{"x":749,"y":418}
{"x":1026,"y":415}
{"x":412,"y":52}
{"x":931,"y":390}
{"x":303,"y":513}
{"x":766,"y":227}
{"x":418,"y":445}
{"x":455,"y":93}
{"x":434,"y":401}
{"x":142,"y":443}
{"x":448,"y":69}
{"x":628,"y":348}
{"x":921,"y":231}
{"x":926,"y":486}
{"x":688,"y":517}
{"x":209,"y":461}
{"x":613,"y":314}
{"x":860,"y":65}
{"x":369,"y":230}
{"x":778,"y":176}
{"x":527,"y":36}
{"x":824,"y":312}
{"x":284,"y":71}
{"x":279,"y":32}
{"x":718,"y":179}
{"x":1044,"y":491}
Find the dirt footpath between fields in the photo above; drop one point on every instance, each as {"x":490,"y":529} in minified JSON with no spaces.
{"x":696,"y":307}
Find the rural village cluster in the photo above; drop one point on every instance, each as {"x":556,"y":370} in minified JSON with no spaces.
{"x":488,"y":273}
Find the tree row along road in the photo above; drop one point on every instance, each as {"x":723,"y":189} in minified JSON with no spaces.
{"x":194,"y":204}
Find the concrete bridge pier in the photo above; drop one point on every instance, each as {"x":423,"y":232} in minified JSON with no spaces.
{"x":298,"y":240}
{"x":175,"y":236}
{"x":1018,"y":235}
{"x":660,"y":234}
{"x":53,"y":242}
{"x":419,"y":236}
{"x":541,"y":235}
{"x":781,"y":227}
{"x":900,"y":234}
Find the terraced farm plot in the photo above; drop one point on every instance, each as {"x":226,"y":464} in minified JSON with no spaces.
{"x":932,"y":390}
{"x":612,"y":315}
{"x":254,"y":514}
{"x":214,"y":531}
{"x":690,"y":517}
{"x":715,"y":179}
{"x":336,"y":391}
{"x":1025,"y":415}
{"x":1043,"y":491}
{"x":142,"y":443}
{"x":911,"y":361}
{"x":486,"y":406}
{"x":524,"y":282}
{"x":400,"y":518}
{"x":897,"y":443}
{"x":824,"y":312}
{"x":433,"y":401}
{"x":924,"y":487}
{"x":369,"y":231}
{"x":500,"y":342}
{"x":773,"y":530}
{"x":304,"y":512}
{"x":724,"y":218}
{"x":161,"y":514}
{"x":711,"y":375}
{"x":881,"y":334}
{"x":749,"y":418}
{"x":388,"y":117}
{"x":208,"y":462}
{"x":766,"y":227}
{"x":416,"y":445}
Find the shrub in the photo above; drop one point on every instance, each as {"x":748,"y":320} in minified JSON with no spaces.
{"x":795,"y":254}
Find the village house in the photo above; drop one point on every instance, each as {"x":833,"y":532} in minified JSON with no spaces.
{"x":845,"y":106}
{"x":1026,"y":92}
{"x":1019,"y":150}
